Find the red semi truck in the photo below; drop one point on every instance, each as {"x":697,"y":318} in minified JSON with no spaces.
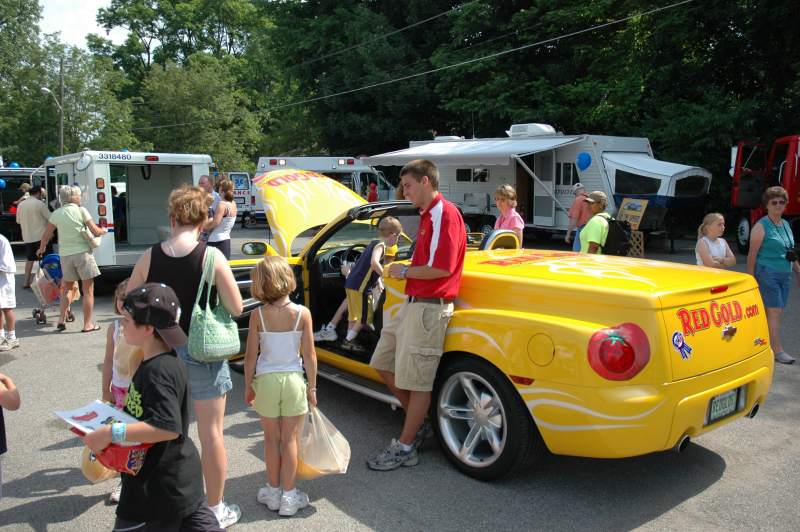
{"x":756,"y":166}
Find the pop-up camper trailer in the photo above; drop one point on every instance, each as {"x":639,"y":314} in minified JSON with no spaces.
{"x":543,"y":165}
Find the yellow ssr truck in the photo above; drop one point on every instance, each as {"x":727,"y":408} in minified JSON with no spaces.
{"x":593,"y":356}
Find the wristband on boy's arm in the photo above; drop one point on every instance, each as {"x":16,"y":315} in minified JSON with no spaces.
{"x":118,"y":431}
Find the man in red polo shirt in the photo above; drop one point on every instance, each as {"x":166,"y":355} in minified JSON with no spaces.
{"x":411,"y":343}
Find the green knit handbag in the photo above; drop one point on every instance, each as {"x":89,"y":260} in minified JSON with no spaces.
{"x":213,"y":335}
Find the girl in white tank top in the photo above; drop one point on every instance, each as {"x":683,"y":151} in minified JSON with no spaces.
{"x":712,"y":249}
{"x":280,"y":346}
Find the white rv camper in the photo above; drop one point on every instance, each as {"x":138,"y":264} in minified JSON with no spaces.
{"x":542,"y":166}
{"x":137,"y":218}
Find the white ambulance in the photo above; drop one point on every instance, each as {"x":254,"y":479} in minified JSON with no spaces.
{"x":125,"y":192}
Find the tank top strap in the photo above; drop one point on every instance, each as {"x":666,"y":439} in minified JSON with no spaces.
{"x":261,"y":317}
{"x":117,"y":332}
{"x":299,"y":309}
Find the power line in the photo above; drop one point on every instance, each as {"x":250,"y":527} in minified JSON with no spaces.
{"x":383,"y":36}
{"x":448,"y":67}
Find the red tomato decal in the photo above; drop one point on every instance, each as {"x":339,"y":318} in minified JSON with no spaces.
{"x":619,"y":353}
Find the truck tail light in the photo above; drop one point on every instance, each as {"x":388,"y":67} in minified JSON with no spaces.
{"x":152,"y":158}
{"x":101,"y":197}
{"x":252,"y":200}
{"x":351,"y":161}
{"x":102,"y":222}
{"x":619,"y":353}
{"x":100,"y":183}
{"x":101,"y":210}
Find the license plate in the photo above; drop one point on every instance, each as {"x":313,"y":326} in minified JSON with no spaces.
{"x":723,"y":405}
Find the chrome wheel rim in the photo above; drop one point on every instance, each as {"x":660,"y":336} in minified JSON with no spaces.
{"x":743,"y":231}
{"x":472,"y":419}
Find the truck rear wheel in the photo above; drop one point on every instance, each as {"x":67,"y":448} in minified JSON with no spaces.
{"x":483,"y":426}
{"x":743,"y":235}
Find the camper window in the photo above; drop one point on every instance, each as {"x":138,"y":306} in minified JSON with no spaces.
{"x":566,"y":174}
{"x":475,"y":175}
{"x":691,"y":186}
{"x":628,"y":183}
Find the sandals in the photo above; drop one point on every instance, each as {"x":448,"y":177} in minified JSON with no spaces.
{"x":95,"y":328}
{"x":61,"y":327}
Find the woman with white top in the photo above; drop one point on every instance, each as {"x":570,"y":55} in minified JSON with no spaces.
{"x":712,"y":250}
{"x":219,"y":227}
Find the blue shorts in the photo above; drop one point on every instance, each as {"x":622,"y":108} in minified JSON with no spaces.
{"x":206,"y":381}
{"x":576,"y":240}
{"x":774,"y":286}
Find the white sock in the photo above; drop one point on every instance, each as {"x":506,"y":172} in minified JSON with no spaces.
{"x":330,"y":326}
{"x":218,"y":508}
{"x":291,"y":493}
{"x":11,"y":335}
{"x":405,"y":447}
{"x":2,"y":333}
{"x":351,"y":335}
{"x":269,"y":487}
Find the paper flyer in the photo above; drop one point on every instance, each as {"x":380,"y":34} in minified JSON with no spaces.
{"x":94,"y":415}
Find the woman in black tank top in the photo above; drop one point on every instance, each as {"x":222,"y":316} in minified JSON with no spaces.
{"x":178,"y":263}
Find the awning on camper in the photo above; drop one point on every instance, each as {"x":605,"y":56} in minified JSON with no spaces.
{"x":643,"y":164}
{"x":471,"y":152}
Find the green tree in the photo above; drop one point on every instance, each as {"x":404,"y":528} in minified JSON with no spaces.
{"x":196,"y":108}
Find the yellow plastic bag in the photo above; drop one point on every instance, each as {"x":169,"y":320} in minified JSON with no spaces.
{"x":322,"y":449}
{"x":93,"y":470}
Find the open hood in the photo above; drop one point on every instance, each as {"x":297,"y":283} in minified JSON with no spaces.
{"x":297,"y":200}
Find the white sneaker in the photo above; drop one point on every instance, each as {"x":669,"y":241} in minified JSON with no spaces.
{"x":229,"y":515}
{"x":271,"y":497}
{"x":291,"y":503}
{"x":115,"y":493}
{"x":326,"y":334}
{"x":8,"y":344}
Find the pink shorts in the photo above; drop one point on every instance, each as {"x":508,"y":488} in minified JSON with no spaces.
{"x":119,"y":393}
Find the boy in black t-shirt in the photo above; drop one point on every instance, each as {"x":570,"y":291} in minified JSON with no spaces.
{"x":167,"y":493}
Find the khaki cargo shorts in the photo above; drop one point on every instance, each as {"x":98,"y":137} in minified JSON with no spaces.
{"x":411,"y":345}
{"x":79,"y":267}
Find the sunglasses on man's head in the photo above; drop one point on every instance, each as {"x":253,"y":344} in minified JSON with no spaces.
{"x":777,"y":202}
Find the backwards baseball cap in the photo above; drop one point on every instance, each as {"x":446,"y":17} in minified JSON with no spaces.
{"x":577,"y":186}
{"x":597,"y":197}
{"x":157,"y":305}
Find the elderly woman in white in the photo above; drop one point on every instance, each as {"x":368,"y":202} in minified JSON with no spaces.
{"x":77,"y":261}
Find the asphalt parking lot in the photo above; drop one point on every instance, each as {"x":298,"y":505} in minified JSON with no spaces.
{"x":744,"y":476}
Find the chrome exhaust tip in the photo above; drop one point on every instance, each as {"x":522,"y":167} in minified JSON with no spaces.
{"x":753,"y":411}
{"x":682,"y":444}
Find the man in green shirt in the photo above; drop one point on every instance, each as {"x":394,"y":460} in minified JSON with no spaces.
{"x":594,"y":233}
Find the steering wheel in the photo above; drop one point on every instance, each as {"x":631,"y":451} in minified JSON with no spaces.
{"x":352,"y":255}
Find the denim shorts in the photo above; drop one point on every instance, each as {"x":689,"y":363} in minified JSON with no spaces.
{"x":774,"y":286}
{"x":206,"y":381}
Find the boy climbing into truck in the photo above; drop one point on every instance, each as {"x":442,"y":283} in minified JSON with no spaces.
{"x":364,"y":276}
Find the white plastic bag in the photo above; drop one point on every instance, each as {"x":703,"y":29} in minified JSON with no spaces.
{"x":322,"y":449}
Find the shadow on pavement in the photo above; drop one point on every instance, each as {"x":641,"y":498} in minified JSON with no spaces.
{"x":44,"y":483}
{"x":42,"y":514}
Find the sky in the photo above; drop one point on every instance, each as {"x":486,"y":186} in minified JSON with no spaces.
{"x":75,"y":19}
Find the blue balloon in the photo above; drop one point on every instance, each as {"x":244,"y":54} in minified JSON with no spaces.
{"x":15,"y":164}
{"x":2,"y":183}
{"x":583,"y":160}
{"x":124,"y":149}
{"x":48,"y":157}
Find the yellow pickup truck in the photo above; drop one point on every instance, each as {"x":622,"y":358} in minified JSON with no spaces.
{"x":580,"y":355}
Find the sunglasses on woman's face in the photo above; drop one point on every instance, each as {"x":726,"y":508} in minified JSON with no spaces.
{"x":777,"y":202}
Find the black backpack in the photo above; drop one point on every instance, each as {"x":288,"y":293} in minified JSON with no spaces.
{"x":618,"y":241}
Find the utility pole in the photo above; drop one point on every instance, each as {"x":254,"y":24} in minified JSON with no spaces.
{"x":61,"y":118}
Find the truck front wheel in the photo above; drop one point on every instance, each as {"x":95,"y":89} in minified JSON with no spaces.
{"x":481,"y":422}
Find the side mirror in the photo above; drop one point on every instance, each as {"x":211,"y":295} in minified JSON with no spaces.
{"x":254,"y":249}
